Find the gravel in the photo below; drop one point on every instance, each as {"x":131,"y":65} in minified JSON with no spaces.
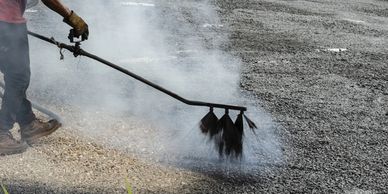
{"x":332,"y":109}
{"x":67,"y":163}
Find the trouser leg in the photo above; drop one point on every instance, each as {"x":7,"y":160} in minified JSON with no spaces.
{"x":15,"y":65}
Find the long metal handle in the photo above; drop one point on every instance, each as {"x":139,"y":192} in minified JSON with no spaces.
{"x":76,"y":50}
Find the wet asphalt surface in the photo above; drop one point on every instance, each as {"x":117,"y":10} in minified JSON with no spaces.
{"x":331,"y":107}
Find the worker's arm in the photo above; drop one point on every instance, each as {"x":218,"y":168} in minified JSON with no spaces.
{"x":69,"y":17}
{"x":57,"y":6}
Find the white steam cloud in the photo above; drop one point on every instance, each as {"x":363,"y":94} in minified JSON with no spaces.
{"x":176,"y":44}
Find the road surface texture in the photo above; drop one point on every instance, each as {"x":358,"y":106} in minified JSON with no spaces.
{"x":319,"y":67}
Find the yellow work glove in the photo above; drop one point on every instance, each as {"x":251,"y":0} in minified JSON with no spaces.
{"x":78,"y":24}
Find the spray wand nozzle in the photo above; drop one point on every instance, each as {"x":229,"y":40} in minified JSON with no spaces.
{"x":227,"y":135}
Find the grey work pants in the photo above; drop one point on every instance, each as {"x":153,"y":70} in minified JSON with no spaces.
{"x":15,"y":66}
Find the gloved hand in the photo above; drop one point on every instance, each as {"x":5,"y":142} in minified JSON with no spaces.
{"x":78,"y":24}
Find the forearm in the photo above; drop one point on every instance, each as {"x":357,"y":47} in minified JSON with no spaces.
{"x":80,"y":28}
{"x":57,"y":6}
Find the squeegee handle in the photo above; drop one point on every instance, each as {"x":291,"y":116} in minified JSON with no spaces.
{"x":78,"y":51}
